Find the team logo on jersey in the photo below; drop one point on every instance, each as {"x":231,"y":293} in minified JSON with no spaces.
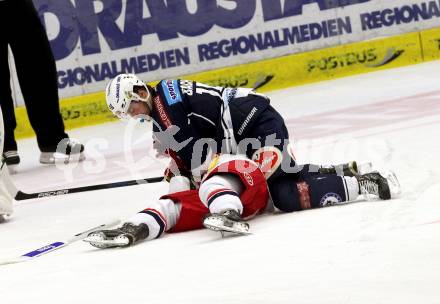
{"x":171,"y":91}
{"x":268,"y":160}
{"x":330,"y":199}
{"x":248,"y":178}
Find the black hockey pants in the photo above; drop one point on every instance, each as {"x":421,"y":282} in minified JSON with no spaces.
{"x":36,"y":71}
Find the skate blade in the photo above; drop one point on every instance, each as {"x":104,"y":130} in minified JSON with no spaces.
{"x":222,"y":230}
{"x":393,"y":183}
{"x":217,"y":225}
{"x":369,"y":197}
{"x":60,"y":158}
{"x":102,"y":244}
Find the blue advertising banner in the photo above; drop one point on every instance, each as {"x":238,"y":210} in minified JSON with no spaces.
{"x":94,"y":40}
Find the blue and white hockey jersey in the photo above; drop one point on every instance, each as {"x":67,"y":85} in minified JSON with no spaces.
{"x":187,"y":114}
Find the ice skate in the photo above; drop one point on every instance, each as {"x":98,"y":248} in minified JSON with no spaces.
{"x":67,"y":151}
{"x":124,"y":236}
{"x":227,"y":221}
{"x":374,"y":184}
{"x":347,"y":169}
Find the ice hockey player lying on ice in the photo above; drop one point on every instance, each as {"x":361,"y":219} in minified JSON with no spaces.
{"x":193,"y":122}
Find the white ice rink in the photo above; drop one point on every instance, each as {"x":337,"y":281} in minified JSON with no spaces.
{"x":367,"y":252}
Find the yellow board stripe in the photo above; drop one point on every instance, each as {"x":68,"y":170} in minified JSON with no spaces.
{"x":430,"y":41}
{"x":274,"y":74}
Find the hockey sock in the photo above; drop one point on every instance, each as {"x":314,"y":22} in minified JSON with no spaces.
{"x":222,"y":192}
{"x":154,"y":219}
{"x":332,"y":190}
{"x":352,"y":186}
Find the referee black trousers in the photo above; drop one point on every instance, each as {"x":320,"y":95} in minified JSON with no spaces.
{"x":22,"y":30}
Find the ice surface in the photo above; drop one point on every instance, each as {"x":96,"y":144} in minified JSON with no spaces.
{"x":368,"y":252}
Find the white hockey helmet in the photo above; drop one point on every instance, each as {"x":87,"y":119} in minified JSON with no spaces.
{"x":120,"y":93}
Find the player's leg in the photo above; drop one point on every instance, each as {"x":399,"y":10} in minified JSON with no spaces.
{"x":46,"y":120}
{"x":180,"y":211}
{"x":221,"y":194}
{"x":290,"y":194}
{"x":7,"y":106}
{"x":233,"y":190}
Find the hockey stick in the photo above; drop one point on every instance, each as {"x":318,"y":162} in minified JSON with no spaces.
{"x":56,"y":245}
{"x":24,"y":196}
{"x":20,"y":195}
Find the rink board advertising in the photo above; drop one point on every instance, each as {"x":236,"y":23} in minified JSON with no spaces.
{"x":228,"y":42}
